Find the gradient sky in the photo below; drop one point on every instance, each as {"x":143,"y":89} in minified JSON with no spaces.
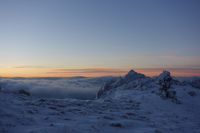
{"x":99,"y":37}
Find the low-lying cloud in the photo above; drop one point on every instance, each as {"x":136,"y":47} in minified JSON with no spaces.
{"x":76,"y":87}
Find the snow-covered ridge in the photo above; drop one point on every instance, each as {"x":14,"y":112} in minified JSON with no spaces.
{"x":133,"y":103}
{"x":131,"y":80}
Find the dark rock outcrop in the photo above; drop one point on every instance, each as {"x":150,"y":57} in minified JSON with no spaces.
{"x":24,"y":92}
{"x":192,"y":93}
{"x":165,"y":91}
{"x":132,"y":75}
{"x":164,"y":82}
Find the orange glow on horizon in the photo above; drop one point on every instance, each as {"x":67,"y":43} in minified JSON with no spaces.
{"x":93,"y":72}
{"x":176,"y":72}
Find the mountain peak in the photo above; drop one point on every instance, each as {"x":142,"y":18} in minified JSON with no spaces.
{"x":132,"y":71}
{"x":132,"y":75}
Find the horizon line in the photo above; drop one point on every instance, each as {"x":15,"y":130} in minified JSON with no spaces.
{"x":102,"y":72}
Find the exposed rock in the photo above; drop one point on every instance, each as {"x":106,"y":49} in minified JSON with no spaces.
{"x":42,"y":100}
{"x":132,"y":75}
{"x":165,"y":91}
{"x":157,"y":131}
{"x":24,"y":92}
{"x":164,"y":81}
{"x":171,"y":94}
{"x":52,"y":108}
{"x":196,"y":82}
{"x":116,"y":125}
{"x":175,"y":100}
{"x":131,"y":80}
{"x":192,"y":93}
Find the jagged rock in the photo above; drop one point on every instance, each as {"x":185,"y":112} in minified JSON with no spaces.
{"x":175,"y":100}
{"x":171,"y":94}
{"x":128,"y":80}
{"x":196,"y":83}
{"x":192,"y":93}
{"x":107,"y":86}
{"x":133,"y":80}
{"x":116,"y":125}
{"x":165,"y":83}
{"x":119,"y":82}
{"x":132,"y":75}
{"x":24,"y":92}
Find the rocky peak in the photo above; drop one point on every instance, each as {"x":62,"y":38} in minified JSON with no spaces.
{"x":111,"y":86}
{"x":132,"y":75}
{"x":165,"y":75}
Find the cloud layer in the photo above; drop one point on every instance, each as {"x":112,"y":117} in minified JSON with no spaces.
{"x":76,"y":87}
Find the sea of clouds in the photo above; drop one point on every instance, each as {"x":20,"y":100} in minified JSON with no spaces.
{"x":73,"y":87}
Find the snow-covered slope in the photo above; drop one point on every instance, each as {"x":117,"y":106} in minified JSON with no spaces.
{"x":128,"y":104}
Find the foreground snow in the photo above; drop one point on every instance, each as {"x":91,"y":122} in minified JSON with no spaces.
{"x":130,"y":107}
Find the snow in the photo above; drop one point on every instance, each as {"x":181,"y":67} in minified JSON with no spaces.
{"x":130,"y":105}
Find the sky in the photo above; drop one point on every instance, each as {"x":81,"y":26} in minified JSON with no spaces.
{"x":64,"y":38}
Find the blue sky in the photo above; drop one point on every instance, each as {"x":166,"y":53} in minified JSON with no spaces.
{"x":42,"y":36}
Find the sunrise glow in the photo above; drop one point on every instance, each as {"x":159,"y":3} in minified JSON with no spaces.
{"x":99,"y":38}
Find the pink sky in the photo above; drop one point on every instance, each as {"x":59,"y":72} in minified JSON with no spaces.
{"x":92,"y":72}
